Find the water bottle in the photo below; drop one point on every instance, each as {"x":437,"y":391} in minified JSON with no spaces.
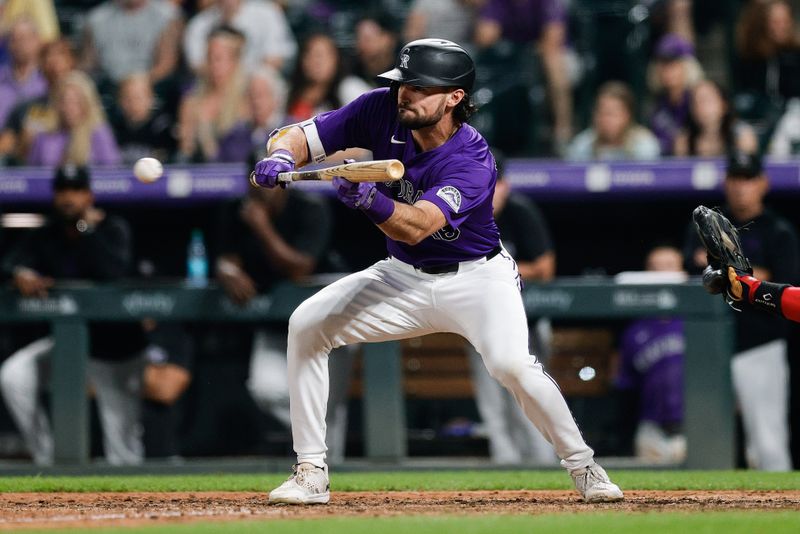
{"x":197,"y":260}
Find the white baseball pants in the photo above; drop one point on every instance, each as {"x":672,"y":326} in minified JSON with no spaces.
{"x":270,"y":391}
{"x":117,"y":385}
{"x":392,"y":300}
{"x":761,"y":383}
{"x":513,"y":439}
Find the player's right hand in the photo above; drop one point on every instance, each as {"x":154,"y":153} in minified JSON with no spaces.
{"x":266,"y":172}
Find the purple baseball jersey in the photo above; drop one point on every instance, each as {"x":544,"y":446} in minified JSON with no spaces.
{"x":652,"y":362}
{"x":459,"y":177}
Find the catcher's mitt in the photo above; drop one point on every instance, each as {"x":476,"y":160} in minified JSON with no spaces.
{"x":721,"y":240}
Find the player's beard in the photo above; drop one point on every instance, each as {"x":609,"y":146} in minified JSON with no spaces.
{"x":415,"y":121}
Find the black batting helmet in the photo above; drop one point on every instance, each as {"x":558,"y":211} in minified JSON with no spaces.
{"x":433,"y":63}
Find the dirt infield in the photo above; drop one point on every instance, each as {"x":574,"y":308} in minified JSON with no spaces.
{"x":61,"y":510}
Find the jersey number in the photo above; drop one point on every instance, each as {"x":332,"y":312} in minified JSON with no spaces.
{"x":447,"y":233}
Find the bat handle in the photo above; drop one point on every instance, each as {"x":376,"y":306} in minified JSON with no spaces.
{"x":283,"y":179}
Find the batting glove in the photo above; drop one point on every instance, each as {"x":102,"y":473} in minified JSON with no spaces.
{"x":267,"y":170}
{"x":354,"y":195}
{"x":364,"y":196}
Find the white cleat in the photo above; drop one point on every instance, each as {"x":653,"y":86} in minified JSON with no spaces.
{"x":593,"y":484}
{"x":307,"y":485}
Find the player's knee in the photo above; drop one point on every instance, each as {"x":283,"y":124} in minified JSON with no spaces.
{"x":302,"y":321}
{"x":505,"y":370}
{"x":306,"y":325}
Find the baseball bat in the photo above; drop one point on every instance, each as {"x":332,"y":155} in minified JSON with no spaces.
{"x":385,"y":170}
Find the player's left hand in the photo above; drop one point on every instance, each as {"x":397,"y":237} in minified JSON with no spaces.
{"x":267,"y":170}
{"x":354,"y":195}
{"x":741,"y":285}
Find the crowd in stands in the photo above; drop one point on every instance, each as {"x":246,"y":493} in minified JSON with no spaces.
{"x":85,"y":83}
{"x":192,"y":81}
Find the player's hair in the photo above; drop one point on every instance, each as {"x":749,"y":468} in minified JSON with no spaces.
{"x":464,"y":109}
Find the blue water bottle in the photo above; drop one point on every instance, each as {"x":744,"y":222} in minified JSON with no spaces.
{"x":197,"y":260}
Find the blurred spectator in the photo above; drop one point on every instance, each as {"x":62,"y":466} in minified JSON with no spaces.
{"x":453,"y":20}
{"x":37,"y":115}
{"x":140,"y":127}
{"x":274,"y":235}
{"x":543,"y":25}
{"x":674,"y":73}
{"x":651,"y":374}
{"x":81,"y":135}
{"x":212,"y":115}
{"x":79,"y":241}
{"x":267,"y":94}
{"x":785,"y":141}
{"x":166,"y":376}
{"x":513,"y":439}
{"x":319,"y":82}
{"x":123,"y":37}
{"x":614,"y":134}
{"x":768,"y":47}
{"x":377,"y":40}
{"x":21,"y":80}
{"x":268,"y":36}
{"x":42,"y":13}
{"x":759,"y":368}
{"x":671,"y":17}
{"x":713,"y":129}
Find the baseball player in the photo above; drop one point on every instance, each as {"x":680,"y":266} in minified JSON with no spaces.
{"x":759,"y":366}
{"x":446,"y":270}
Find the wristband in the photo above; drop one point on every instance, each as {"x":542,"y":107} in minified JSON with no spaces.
{"x":377,"y":206}
{"x":767,"y":297}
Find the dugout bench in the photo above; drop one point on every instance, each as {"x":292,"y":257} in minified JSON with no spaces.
{"x":708,"y":325}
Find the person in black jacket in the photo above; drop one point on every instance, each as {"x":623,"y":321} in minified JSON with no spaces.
{"x":79,"y":241}
{"x":759,"y":367}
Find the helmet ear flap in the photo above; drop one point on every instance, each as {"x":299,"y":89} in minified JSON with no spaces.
{"x":394,"y":88}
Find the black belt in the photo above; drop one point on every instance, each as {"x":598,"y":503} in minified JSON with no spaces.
{"x":453,"y":267}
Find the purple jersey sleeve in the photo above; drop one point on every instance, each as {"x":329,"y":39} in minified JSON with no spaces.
{"x":355,"y":124}
{"x":460,"y":191}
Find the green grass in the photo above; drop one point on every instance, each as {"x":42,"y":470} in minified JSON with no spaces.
{"x":411,"y":480}
{"x":619,"y":523}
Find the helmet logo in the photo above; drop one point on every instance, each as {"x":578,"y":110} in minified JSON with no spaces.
{"x":404,"y":60}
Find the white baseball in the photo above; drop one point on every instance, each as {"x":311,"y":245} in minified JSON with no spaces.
{"x":148,"y":170}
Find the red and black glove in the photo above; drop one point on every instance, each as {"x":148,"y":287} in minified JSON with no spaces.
{"x":761,"y":295}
